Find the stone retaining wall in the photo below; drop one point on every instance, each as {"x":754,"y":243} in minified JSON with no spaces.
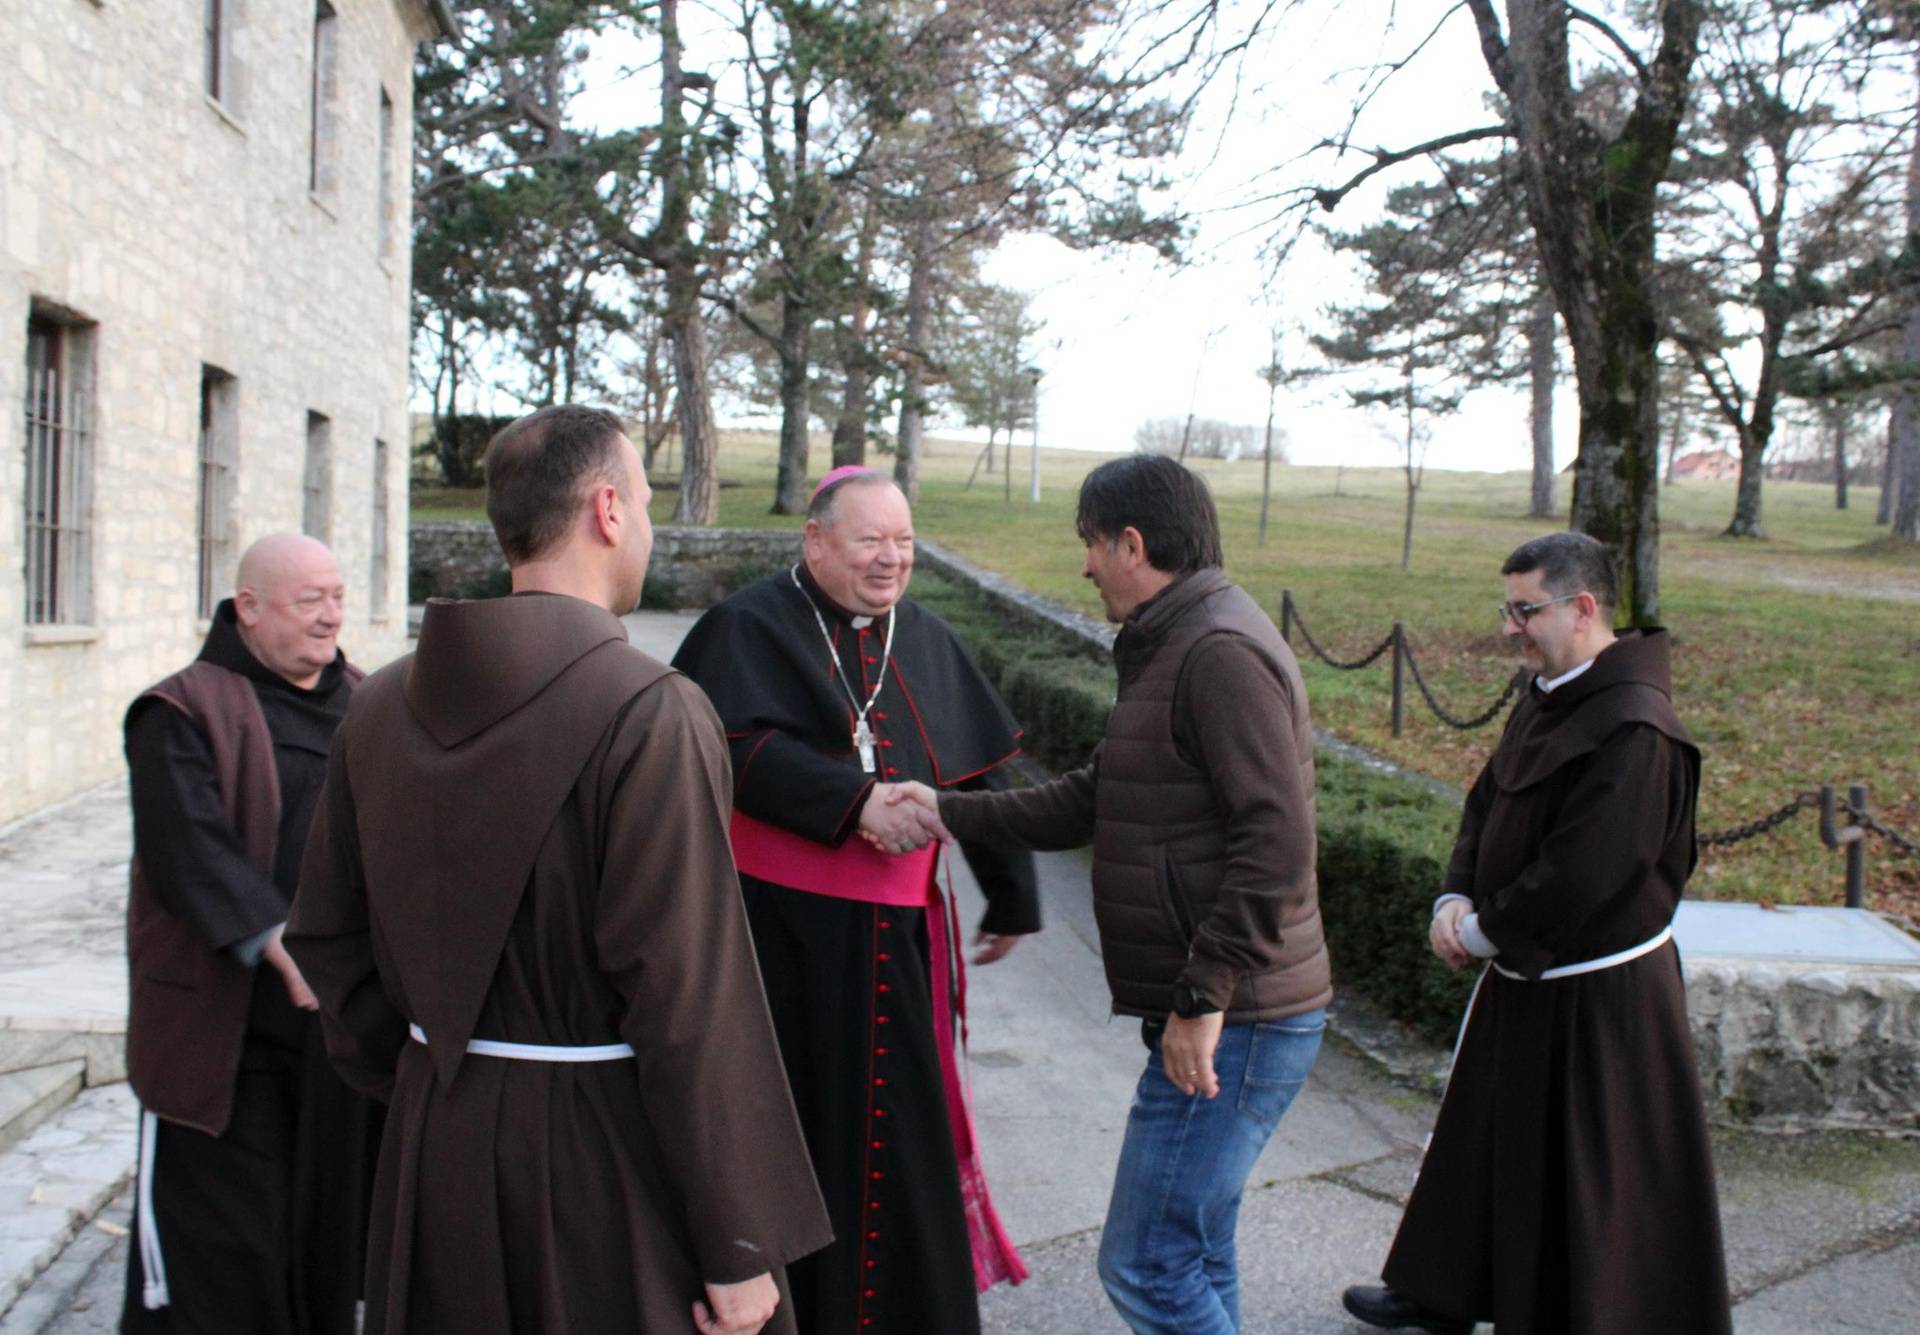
{"x":1804,"y":1045}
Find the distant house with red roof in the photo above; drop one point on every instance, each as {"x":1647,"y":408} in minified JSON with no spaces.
{"x":1704,"y":465}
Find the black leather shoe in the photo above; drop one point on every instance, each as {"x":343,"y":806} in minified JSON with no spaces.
{"x":1380,"y":1306}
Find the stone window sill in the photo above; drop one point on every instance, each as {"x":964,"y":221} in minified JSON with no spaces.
{"x":37,"y":635}
{"x":219,"y":109}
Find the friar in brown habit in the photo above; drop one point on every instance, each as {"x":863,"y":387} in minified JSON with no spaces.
{"x":1568,"y":1188}
{"x":520,"y":914}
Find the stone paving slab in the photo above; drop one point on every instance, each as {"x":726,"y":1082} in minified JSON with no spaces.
{"x":63,"y":894}
{"x":1797,"y":934}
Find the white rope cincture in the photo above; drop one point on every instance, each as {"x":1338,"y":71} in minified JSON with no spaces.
{"x":153,"y":1268}
{"x":1647,"y":947}
{"x":537,"y":1052}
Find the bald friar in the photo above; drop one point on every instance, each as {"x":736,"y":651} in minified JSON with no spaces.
{"x":251,"y":1200}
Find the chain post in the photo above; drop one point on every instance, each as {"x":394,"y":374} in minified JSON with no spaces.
{"x":1399,"y":678}
{"x":1829,"y":832}
{"x":1857,"y":850}
{"x":1286,"y":616}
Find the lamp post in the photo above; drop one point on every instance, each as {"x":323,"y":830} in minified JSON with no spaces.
{"x":1033,"y":471}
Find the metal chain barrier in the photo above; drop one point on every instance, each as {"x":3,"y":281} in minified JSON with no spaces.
{"x":1900,"y":841}
{"x":1479,"y":720}
{"x":1332,"y":662}
{"x":1773,"y":820}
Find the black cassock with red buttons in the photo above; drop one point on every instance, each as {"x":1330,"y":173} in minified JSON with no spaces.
{"x":849,"y":982}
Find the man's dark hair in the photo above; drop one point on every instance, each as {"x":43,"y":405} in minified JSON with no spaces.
{"x":1568,"y":563}
{"x":1166,"y":501}
{"x":539,"y":467}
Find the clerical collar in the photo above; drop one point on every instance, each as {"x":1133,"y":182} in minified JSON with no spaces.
{"x":811,"y":587}
{"x":1549,"y":687}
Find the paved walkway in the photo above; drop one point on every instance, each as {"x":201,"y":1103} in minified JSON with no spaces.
{"x":1823,"y":1231}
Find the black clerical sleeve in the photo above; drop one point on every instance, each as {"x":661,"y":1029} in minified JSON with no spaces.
{"x":783,"y":781}
{"x":1005,"y":874}
{"x":187,"y":849}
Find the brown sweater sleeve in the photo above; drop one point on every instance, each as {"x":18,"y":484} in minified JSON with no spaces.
{"x":1233,"y":716}
{"x":1053,"y":815}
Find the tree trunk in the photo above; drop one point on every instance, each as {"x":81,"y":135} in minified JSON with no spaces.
{"x":1746,"y":496}
{"x":672,"y":249}
{"x":1266,"y":457}
{"x":796,"y":329}
{"x":1591,"y":202}
{"x":1906,"y":505}
{"x":913,"y":407}
{"x":699,"y":500}
{"x":1413,"y":479}
{"x":1840,"y":460}
{"x":1889,"y":467}
{"x":850,"y":432}
{"x":1540,"y":358}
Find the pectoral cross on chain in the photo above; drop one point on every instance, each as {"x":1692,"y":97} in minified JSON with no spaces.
{"x":863,"y":741}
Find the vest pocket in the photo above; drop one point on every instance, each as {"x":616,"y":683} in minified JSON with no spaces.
{"x":1173,"y":905}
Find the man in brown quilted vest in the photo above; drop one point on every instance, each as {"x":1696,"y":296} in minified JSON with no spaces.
{"x":252,"y":1201}
{"x":1199,"y":807}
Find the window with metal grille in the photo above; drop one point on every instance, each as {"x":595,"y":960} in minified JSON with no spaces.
{"x":386,"y":174}
{"x":320,"y":154}
{"x":59,"y":472}
{"x":378,"y":569}
{"x":219,"y":436}
{"x":316,"y":509}
{"x":215,"y":67}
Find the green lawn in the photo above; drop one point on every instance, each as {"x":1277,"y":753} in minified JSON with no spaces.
{"x":1797,"y":659}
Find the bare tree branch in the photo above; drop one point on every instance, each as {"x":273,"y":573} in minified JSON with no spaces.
{"x":1329,"y":199}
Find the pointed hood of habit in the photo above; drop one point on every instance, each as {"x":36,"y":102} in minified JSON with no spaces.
{"x":484,"y":734}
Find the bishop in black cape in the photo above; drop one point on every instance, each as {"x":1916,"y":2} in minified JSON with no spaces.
{"x":1569,"y":1188}
{"x":852,"y":984}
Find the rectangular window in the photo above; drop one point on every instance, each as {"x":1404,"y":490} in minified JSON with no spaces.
{"x":59,"y":472}
{"x":216,"y":48}
{"x":316,"y":508}
{"x":377,"y":572}
{"x":386,"y":174}
{"x":321,"y":136}
{"x":219,"y":436}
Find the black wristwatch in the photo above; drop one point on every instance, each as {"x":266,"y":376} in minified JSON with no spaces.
{"x":1188,"y":1004}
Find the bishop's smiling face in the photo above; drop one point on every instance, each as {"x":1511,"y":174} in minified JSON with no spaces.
{"x":861,"y":554}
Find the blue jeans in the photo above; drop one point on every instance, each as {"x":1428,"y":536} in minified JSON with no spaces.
{"x":1167,"y":1253}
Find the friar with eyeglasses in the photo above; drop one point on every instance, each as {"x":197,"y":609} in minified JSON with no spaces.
{"x":1568,"y":1186}
{"x":835,"y":687}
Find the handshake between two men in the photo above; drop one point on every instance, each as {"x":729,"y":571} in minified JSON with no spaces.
{"x":905,"y":818}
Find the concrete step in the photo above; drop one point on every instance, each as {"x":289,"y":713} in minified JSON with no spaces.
{"x":54,"y":1182}
{"x":104,"y":1050}
{"x":29,"y":1097}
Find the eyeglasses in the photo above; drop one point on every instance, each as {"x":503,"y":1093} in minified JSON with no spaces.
{"x":1518,"y":613}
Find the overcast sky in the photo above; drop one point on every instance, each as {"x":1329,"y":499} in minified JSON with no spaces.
{"x":1128,"y":338}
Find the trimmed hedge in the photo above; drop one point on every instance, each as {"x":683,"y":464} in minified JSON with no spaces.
{"x":1384,"y":842}
{"x":1383,"y":838}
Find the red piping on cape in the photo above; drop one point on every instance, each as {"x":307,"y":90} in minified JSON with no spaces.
{"x":933,"y":756}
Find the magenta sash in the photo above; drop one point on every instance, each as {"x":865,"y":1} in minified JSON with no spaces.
{"x":858,"y":871}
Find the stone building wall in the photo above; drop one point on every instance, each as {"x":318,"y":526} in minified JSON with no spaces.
{"x":188,"y":231}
